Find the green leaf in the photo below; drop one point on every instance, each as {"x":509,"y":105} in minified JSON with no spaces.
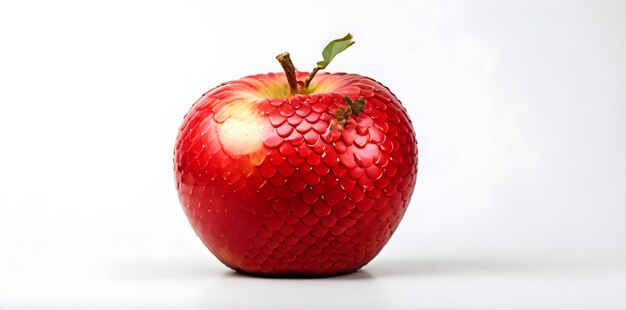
{"x":348,"y":100}
{"x":357,"y":106}
{"x":333,"y":48}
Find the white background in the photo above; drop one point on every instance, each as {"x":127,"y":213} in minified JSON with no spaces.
{"x":519,"y":109}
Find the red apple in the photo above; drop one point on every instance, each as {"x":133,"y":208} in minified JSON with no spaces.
{"x":281,"y":174}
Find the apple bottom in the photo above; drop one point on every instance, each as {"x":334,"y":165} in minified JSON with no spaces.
{"x":248,"y":236}
{"x":296,"y":275}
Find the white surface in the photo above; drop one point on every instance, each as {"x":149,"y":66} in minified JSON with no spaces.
{"x":519,"y":109}
{"x":388,"y":283}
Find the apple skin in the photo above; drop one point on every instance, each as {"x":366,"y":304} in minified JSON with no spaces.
{"x":275,"y":185}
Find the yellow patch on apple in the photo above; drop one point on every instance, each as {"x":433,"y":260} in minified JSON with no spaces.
{"x":242,"y":132}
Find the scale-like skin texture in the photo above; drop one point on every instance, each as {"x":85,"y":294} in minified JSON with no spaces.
{"x":297,"y":193}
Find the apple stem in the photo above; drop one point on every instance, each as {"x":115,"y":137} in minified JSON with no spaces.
{"x":311,"y":75}
{"x":290,"y":71}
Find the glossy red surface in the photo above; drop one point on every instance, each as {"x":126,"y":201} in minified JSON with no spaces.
{"x":277,"y":186}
